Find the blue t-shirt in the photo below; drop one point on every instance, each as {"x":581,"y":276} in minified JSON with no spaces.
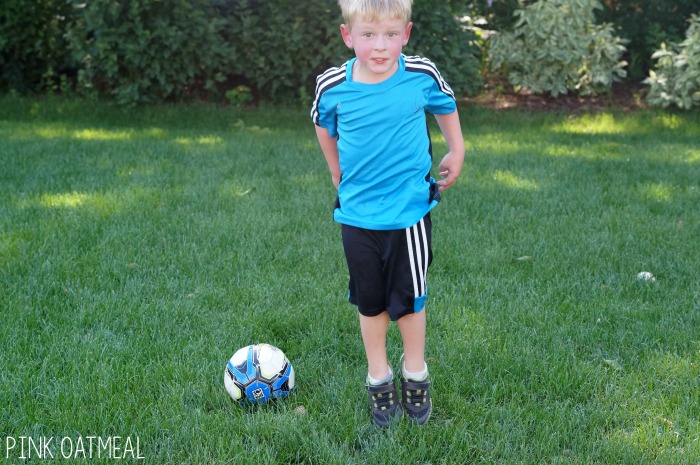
{"x":383,"y":141}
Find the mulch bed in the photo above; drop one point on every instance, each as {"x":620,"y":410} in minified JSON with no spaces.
{"x":625,"y":97}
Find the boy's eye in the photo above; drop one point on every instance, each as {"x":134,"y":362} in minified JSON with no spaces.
{"x":368,"y":35}
{"x":391,"y":35}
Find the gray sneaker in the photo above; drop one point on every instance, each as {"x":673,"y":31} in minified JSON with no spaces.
{"x":416,"y":399}
{"x":384,"y":403}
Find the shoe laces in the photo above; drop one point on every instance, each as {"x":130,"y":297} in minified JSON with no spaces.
{"x":416,"y":396}
{"x":383,"y":400}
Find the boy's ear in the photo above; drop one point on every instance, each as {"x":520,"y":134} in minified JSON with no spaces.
{"x":345,"y":32}
{"x":409,"y":26}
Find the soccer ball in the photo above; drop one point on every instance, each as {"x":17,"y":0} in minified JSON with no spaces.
{"x":258,"y":373}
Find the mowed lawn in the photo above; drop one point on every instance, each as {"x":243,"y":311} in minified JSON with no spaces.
{"x":140,"y":248}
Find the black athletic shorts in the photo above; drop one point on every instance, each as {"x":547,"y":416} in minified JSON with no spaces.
{"x":388,"y":269}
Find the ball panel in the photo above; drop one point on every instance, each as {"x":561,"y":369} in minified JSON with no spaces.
{"x":283,"y":385}
{"x":271,"y":361}
{"x":291,"y":377}
{"x":258,"y":392}
{"x":240,"y":356}
{"x":242,"y":365}
{"x":232,"y":387}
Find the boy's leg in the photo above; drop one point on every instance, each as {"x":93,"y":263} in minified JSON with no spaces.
{"x":412,"y":329}
{"x":374,"y":331}
{"x":415,"y":384}
{"x":367,"y":292}
{"x":412,"y":259}
{"x":383,"y":397}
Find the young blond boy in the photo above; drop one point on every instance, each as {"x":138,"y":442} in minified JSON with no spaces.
{"x":371,"y":125}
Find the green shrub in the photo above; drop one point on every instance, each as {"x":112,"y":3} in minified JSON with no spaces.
{"x":439,"y":36}
{"x":278,"y":48}
{"x":643,"y":23}
{"x":675,"y":79}
{"x":149,"y":51}
{"x":33,"y":51}
{"x":145,"y":51}
{"x":556,"y":47}
{"x":646,"y":24}
{"x":239,"y":96}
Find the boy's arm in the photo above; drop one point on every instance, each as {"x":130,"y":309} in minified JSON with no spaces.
{"x":451,"y":165}
{"x":329,"y":147}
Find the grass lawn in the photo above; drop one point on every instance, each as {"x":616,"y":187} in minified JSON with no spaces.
{"x":140,"y":248}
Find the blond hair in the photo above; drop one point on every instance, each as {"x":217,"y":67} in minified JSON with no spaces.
{"x":375,"y":10}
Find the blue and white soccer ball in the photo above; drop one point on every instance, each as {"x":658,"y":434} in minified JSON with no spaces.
{"x":258,"y":373}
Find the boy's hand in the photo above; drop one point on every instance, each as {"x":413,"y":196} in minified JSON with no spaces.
{"x":450,"y":168}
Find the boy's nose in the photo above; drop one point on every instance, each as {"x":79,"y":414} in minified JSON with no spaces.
{"x":380,"y":43}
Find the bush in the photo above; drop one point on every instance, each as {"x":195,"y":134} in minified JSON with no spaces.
{"x":148,"y":51}
{"x":675,"y":79}
{"x":646,"y":24}
{"x":279,"y":48}
{"x":145,"y":51}
{"x":556,"y":47}
{"x":33,"y":51}
{"x":439,"y":36}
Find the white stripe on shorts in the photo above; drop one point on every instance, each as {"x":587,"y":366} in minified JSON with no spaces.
{"x":417,"y":242}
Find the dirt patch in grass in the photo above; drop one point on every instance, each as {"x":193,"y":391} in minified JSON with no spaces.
{"x":623,"y":96}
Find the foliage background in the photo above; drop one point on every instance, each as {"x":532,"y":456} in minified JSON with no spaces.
{"x":146,"y":51}
{"x":646,"y":24}
{"x":676,"y":77}
{"x":557,"y":47}
{"x":32,"y":45}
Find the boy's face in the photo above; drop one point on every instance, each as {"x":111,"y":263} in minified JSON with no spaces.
{"x":377,"y":46}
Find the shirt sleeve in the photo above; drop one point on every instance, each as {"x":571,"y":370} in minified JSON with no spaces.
{"x":324,"y":116}
{"x":323,"y":111}
{"x":439,"y":102}
{"x":441,"y":98}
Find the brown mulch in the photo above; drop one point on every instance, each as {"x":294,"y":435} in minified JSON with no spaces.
{"x":624,"y":97}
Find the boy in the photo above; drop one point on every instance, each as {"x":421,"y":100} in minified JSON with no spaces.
{"x":371,"y":125}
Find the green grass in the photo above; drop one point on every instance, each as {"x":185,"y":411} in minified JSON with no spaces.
{"x":139,"y":249}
